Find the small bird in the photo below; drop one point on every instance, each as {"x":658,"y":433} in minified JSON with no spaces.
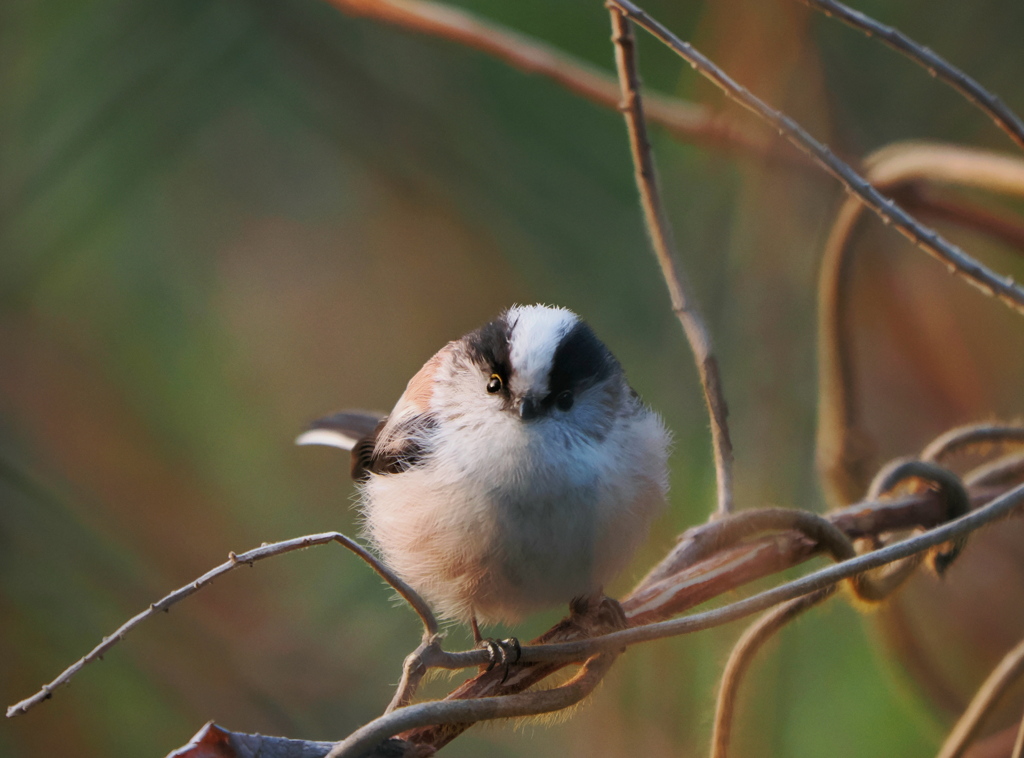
{"x":517,"y":471}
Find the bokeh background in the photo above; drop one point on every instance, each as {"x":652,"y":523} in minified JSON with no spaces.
{"x":220,"y":219}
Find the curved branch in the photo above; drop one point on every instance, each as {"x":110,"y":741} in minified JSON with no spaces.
{"x":999,"y":473}
{"x":999,"y":225}
{"x":972,"y":438}
{"x":727,"y":532}
{"x":233,"y":562}
{"x":742,"y":655}
{"x":1018,"y":744}
{"x":845,"y":450}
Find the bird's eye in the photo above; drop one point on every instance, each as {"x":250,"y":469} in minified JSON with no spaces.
{"x":494,"y":384}
{"x":564,"y":400}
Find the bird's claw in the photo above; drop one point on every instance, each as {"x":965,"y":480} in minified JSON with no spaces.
{"x":505,"y":652}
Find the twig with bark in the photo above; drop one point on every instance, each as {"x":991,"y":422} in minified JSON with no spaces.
{"x":247,"y":558}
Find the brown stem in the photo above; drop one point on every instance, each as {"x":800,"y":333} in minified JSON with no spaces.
{"x":1001,"y":472}
{"x":1018,"y":743}
{"x":1004,"y":227}
{"x":971,"y":439}
{"x":686,"y":121}
{"x":683,"y":303}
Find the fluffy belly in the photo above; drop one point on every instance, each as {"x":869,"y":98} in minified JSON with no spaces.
{"x":500,"y":555}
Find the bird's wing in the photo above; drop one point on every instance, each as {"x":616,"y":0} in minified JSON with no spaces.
{"x":396,"y":445}
{"x":358,"y":432}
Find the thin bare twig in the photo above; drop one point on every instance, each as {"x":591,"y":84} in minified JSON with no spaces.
{"x":686,"y":121}
{"x":414,"y":668}
{"x":1009,"y":669}
{"x":742,"y":656}
{"x":683,"y":303}
{"x":480,"y":709}
{"x":935,"y":64}
{"x":233,"y":562}
{"x":1003,"y":289}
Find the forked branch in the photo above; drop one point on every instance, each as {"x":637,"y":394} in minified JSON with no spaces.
{"x":234,"y":561}
{"x":1003,"y":289}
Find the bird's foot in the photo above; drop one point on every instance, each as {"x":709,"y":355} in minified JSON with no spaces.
{"x":596,"y":614}
{"x":504,"y":652}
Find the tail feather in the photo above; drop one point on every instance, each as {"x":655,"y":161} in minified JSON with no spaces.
{"x":343,"y":430}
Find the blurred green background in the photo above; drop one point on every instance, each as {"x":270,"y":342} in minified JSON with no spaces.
{"x":220,"y":219}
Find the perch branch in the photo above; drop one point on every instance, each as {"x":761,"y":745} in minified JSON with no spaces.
{"x":998,"y":508}
{"x":1009,"y":669}
{"x":667,"y":590}
{"x":367,"y":737}
{"x":741,"y":564}
{"x":935,"y":64}
{"x":233,"y":562}
{"x":1003,"y":289}
{"x":563,"y":652}
{"x":660,"y":231}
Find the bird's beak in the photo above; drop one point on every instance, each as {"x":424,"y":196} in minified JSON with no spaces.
{"x":529,"y":407}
